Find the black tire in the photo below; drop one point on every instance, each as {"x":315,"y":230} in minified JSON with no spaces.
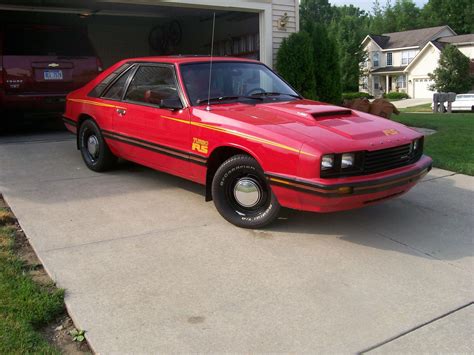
{"x":102,"y":159}
{"x":231,"y":174}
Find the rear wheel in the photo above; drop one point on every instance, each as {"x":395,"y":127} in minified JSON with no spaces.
{"x":242,"y":195}
{"x":95,"y":151}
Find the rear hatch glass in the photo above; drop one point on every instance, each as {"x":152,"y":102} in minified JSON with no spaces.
{"x":52,"y":60}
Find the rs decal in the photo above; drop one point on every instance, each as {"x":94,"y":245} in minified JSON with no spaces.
{"x":390,"y":132}
{"x":200,"y":145}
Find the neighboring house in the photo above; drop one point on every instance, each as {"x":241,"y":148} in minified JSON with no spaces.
{"x":401,"y":61}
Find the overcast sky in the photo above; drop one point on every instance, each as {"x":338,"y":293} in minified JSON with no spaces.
{"x":367,"y":4}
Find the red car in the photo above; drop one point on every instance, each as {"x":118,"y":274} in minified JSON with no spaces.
{"x":40,"y":65}
{"x":250,"y":138}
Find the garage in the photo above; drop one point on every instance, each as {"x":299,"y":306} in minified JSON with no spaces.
{"x":421,"y":88}
{"x":119,"y":29}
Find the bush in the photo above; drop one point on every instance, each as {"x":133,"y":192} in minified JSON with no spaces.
{"x":295,"y":63}
{"x":356,"y":95}
{"x":396,"y":96}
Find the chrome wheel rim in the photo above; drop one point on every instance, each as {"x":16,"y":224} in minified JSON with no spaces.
{"x":93,"y":146}
{"x":247,"y":192}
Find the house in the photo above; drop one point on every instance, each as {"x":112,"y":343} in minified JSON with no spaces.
{"x":401,"y":61}
{"x":130,"y":28}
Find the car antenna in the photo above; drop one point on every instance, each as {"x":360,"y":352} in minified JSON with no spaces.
{"x":208,"y":107}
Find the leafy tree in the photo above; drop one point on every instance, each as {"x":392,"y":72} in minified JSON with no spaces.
{"x":315,"y":11}
{"x":295,"y":63}
{"x":348,"y":28}
{"x":452,"y":74}
{"x":406,"y":15}
{"x":327,"y":67}
{"x":458,"y":14}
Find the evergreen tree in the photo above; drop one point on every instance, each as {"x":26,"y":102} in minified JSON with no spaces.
{"x":295,"y":63}
{"x":452,"y":74}
{"x":349,"y":27}
{"x":327,"y":65}
{"x":315,"y":11}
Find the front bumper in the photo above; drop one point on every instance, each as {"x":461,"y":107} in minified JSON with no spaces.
{"x":345,"y":194}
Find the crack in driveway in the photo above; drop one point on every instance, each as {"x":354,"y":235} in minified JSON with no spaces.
{"x":411,"y":330}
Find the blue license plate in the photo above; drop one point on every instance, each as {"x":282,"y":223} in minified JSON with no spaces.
{"x":53,"y":75}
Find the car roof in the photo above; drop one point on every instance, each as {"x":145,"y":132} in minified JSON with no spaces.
{"x":182,"y":59}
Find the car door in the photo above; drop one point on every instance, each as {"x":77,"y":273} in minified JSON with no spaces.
{"x":160,"y":135}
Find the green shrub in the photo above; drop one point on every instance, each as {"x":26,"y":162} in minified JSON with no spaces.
{"x":396,"y":96}
{"x":295,"y":63}
{"x":356,"y":95}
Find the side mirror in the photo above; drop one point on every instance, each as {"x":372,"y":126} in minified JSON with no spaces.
{"x":171,"y":104}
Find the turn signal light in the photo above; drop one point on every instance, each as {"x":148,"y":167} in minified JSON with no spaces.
{"x":345,"y":190}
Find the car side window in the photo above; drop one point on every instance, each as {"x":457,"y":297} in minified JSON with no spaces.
{"x":115,"y":92}
{"x":99,"y":89}
{"x":151,"y":84}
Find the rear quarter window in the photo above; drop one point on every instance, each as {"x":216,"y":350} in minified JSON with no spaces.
{"x":43,"y":42}
{"x":99,"y":89}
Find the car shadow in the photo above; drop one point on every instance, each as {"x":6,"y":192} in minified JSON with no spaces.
{"x":422,"y":223}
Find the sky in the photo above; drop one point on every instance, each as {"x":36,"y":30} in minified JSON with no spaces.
{"x":367,"y":4}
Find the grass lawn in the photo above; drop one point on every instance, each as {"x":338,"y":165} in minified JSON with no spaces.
{"x":25,"y":306}
{"x":419,"y":108}
{"x":452,"y":147}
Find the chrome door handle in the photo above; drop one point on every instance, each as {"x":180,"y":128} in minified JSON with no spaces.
{"x":121,"y":111}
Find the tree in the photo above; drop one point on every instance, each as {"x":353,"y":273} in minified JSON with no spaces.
{"x":349,"y":27}
{"x":452,"y":74}
{"x":406,"y":15}
{"x":458,"y":14}
{"x":295,"y":63}
{"x":326,"y":65}
{"x":315,"y":11}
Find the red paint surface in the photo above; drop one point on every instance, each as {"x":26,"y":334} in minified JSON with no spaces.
{"x":289,"y":124}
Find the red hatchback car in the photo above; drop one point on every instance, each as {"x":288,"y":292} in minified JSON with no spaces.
{"x":254,"y":142}
{"x":40,"y":65}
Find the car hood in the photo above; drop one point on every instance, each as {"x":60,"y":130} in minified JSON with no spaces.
{"x":315,"y":123}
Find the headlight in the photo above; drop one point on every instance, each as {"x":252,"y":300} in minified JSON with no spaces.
{"x":347,"y":160}
{"x":327,"y":162}
{"x":416,"y":145}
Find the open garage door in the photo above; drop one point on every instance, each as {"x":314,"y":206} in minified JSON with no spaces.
{"x":119,"y":31}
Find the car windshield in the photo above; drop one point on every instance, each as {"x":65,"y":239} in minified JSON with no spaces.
{"x":464,"y":97}
{"x":234,"y":81}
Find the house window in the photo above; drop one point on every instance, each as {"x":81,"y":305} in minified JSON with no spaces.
{"x":407,"y":57}
{"x":402,"y":82}
{"x":376,"y":82}
{"x":375,"y":59}
{"x":389,"y":59}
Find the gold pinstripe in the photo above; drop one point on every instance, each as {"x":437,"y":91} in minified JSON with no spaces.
{"x":203,"y":125}
{"x":238,"y":134}
{"x":95,"y":103}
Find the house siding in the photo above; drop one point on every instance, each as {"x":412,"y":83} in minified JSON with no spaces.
{"x":279,"y":8}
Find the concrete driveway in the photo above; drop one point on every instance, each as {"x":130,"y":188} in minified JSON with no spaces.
{"x":410,"y":102}
{"x":150,"y":267}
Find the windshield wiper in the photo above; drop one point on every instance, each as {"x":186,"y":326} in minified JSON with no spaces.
{"x":227,"y":98}
{"x":266,"y":93}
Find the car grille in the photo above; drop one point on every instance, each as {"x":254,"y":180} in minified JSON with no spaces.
{"x":386,"y":159}
{"x":370,"y":162}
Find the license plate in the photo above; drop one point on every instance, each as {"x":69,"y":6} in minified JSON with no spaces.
{"x":53,"y":75}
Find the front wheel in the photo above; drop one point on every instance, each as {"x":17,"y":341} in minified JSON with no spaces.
{"x":242,"y":195}
{"x":95,"y":152}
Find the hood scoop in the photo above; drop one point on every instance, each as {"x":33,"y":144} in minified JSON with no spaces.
{"x":331,"y":113}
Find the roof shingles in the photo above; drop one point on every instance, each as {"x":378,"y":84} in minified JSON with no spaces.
{"x":412,"y":38}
